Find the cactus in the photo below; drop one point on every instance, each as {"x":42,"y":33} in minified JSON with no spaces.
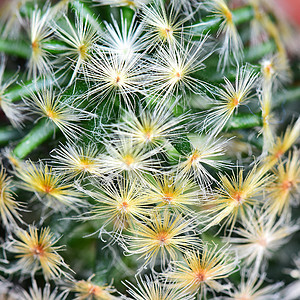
{"x":149,"y":150}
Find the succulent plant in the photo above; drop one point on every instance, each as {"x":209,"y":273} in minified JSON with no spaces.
{"x":149,"y":150}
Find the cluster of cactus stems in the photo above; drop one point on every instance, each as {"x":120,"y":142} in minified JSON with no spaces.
{"x":149,"y":150}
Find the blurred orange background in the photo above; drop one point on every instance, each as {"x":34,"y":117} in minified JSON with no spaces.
{"x":291,"y":8}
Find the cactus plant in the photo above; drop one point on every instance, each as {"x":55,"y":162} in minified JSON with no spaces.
{"x":149,"y":150}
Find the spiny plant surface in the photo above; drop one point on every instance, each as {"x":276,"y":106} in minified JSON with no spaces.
{"x":149,"y":150}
